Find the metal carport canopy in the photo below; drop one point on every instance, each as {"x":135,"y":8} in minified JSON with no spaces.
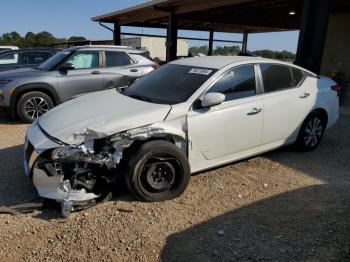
{"x":234,"y":16}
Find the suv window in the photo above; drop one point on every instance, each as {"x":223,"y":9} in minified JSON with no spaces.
{"x":85,"y":60}
{"x":236,"y":83}
{"x":114,"y":59}
{"x":37,"y":57}
{"x":13,"y":58}
{"x":276,"y":77}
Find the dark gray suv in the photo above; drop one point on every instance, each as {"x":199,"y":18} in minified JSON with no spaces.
{"x":29,"y":93}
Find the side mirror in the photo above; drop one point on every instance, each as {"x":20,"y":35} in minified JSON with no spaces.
{"x":121,"y":89}
{"x":66,"y":67}
{"x":213,"y":99}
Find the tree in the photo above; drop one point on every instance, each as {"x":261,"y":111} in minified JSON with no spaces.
{"x":33,"y":40}
{"x":12,"y":38}
{"x":76,"y":38}
{"x":30,"y":39}
{"x":199,"y":49}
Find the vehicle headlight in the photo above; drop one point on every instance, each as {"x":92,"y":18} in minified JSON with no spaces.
{"x":3,"y":83}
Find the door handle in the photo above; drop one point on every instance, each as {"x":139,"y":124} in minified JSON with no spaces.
{"x":134,"y":70}
{"x":305,"y":95}
{"x":254,"y":111}
{"x":95,"y":72}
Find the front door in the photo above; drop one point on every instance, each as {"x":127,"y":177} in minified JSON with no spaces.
{"x":85,"y":77}
{"x":218,"y":134}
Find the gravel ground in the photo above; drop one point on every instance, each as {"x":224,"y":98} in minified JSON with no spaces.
{"x":281,"y":206}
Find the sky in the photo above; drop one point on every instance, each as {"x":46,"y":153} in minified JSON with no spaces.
{"x":66,"y":18}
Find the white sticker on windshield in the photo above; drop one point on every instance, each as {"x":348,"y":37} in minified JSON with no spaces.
{"x":200,"y":71}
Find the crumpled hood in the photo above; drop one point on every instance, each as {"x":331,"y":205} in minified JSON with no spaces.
{"x":98,"y":115}
{"x":20,"y":73}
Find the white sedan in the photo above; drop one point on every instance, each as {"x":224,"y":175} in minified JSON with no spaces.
{"x":187,"y":116}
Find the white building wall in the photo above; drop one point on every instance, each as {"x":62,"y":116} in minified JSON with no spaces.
{"x":156,"y":45}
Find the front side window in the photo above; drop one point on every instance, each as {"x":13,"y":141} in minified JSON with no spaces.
{"x":85,"y":60}
{"x":276,"y":77}
{"x":171,"y":84}
{"x":114,"y":59}
{"x":236,"y":83}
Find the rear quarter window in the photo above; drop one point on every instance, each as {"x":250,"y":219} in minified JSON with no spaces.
{"x":298,"y":76}
{"x":276,"y":77}
{"x":115,"y":59}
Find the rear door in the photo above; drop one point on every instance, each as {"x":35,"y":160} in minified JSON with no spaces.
{"x":217,"y":134}
{"x":85,"y":77}
{"x":119,"y":69}
{"x":288,"y":99}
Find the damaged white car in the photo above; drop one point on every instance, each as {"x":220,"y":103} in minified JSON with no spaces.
{"x":190,"y":115}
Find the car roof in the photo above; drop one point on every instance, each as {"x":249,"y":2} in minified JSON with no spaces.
{"x":128,"y":49}
{"x":218,"y":62}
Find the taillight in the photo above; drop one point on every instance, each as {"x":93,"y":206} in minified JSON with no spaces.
{"x":336,"y":88}
{"x":155,"y":66}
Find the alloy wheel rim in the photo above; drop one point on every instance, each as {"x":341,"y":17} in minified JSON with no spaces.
{"x":36,"y":107}
{"x":313,"y":132}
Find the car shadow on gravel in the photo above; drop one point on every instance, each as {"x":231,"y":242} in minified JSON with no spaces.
{"x":15,"y":187}
{"x":306,"y":224}
{"x":5,"y":119}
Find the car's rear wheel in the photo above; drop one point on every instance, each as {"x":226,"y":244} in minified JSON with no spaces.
{"x":311,"y":132}
{"x":158,"y":171}
{"x":32,"y":105}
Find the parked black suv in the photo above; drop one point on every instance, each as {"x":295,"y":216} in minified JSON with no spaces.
{"x":25,"y":58}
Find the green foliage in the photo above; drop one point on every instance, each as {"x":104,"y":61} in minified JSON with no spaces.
{"x":219,"y":50}
{"x":34,"y":40}
{"x":283,"y":55}
{"x":199,"y":49}
{"x":227,"y":50}
{"x":77,"y":38}
{"x":234,"y":50}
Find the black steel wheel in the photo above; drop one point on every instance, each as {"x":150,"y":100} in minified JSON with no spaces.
{"x":158,"y":171}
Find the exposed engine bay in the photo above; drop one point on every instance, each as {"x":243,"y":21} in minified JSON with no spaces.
{"x":77,"y":176}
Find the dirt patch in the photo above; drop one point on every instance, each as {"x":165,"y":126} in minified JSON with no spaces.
{"x":284,"y":206}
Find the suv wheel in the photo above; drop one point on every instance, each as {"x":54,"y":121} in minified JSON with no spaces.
{"x":158,"y":171}
{"x":32,"y":105}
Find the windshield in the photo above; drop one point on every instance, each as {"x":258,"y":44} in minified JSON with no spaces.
{"x":171,"y":84}
{"x":54,"y":61}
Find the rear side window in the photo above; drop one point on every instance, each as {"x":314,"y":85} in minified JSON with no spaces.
{"x":276,"y":77}
{"x":13,"y":58}
{"x":236,"y":83}
{"x":298,"y":76}
{"x":114,"y":59}
{"x":37,"y":57}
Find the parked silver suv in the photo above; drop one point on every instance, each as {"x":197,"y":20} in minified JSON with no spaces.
{"x":29,"y":93}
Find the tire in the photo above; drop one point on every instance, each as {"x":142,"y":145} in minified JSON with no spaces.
{"x":158,"y":171}
{"x":311,"y":132}
{"x":32,"y":105}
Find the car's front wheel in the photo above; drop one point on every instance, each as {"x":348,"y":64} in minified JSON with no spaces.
{"x":311,"y":132}
{"x":32,"y":105}
{"x":158,"y":171}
